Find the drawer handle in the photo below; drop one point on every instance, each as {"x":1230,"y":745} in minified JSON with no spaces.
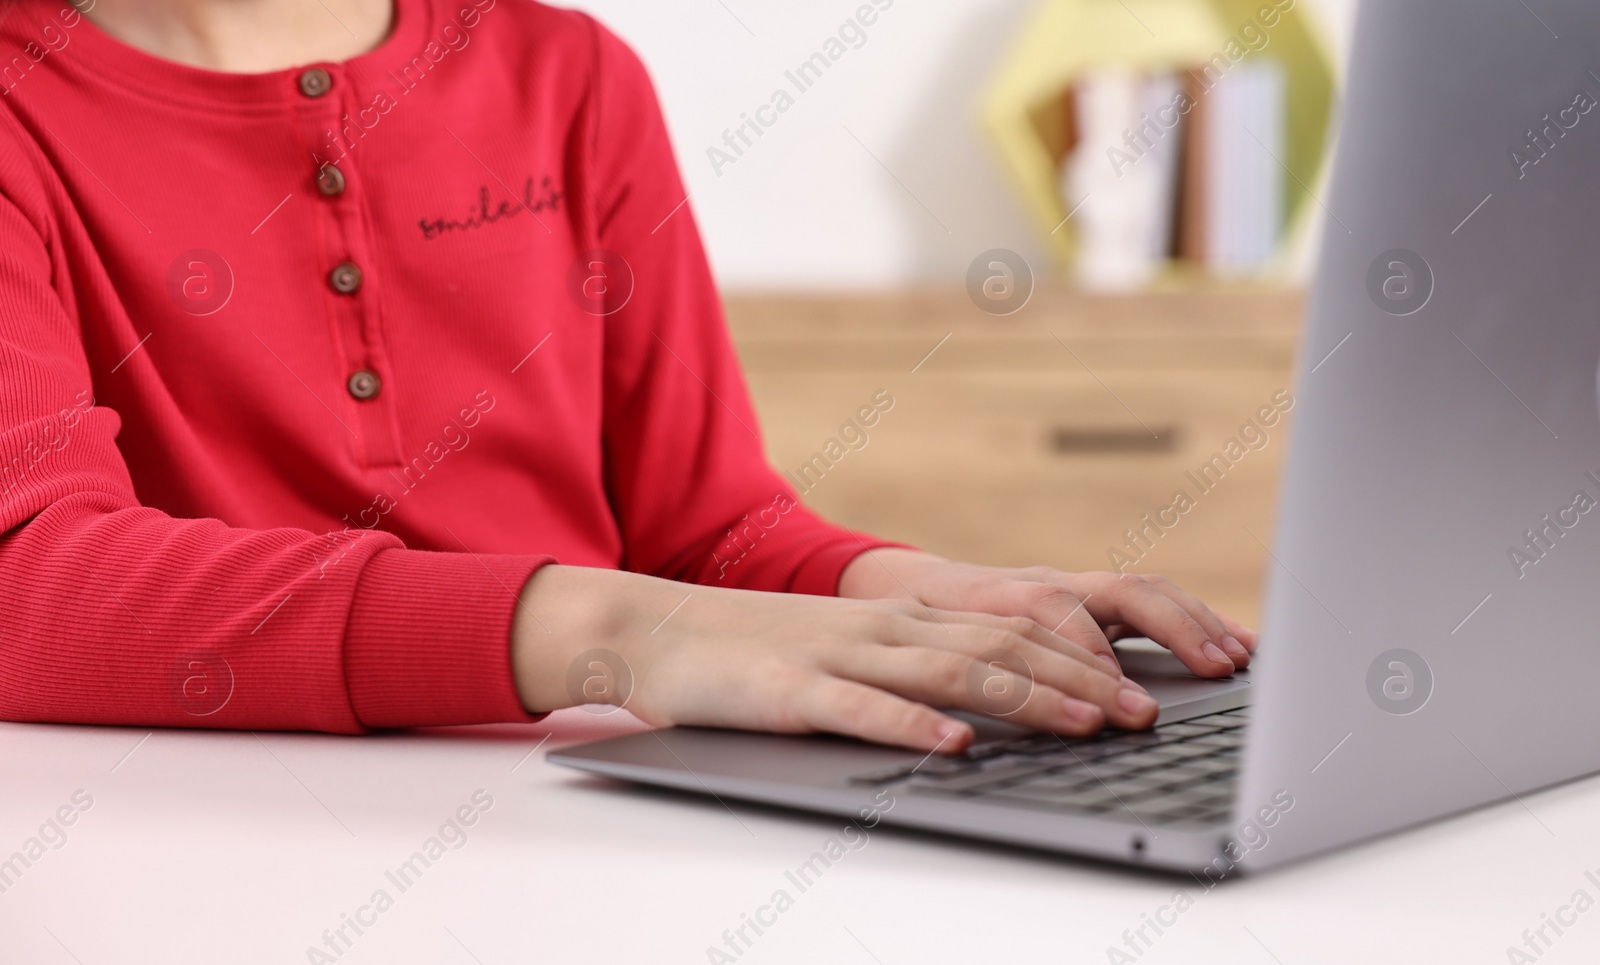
{"x":1071,"y":441}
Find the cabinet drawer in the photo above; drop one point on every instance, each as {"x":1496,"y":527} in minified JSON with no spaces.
{"x":1001,"y":451}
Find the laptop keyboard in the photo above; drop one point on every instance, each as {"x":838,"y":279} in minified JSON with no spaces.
{"x":1182,"y":773}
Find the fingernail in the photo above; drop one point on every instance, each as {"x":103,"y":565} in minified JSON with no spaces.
{"x":1081,"y":711}
{"x":1133,"y":702}
{"x":1233,"y":648}
{"x":1111,"y":662}
{"x":951,"y":732}
{"x":1213,"y":654}
{"x":1132,"y":684}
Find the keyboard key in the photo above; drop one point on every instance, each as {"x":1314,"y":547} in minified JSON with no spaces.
{"x":932,"y":767}
{"x":1037,"y":744}
{"x":1168,"y":754}
{"x":1101,"y":750}
{"x":1011,"y":768}
{"x":1114,"y":770}
{"x":1179,"y":770}
{"x":1188,"y":729}
{"x":940,"y":767}
{"x":1000,"y":772}
{"x":1011,"y":745}
{"x":1071,"y":777}
{"x":1218,"y":740}
{"x":1217,"y":720}
{"x":1153,"y":798}
{"x":1138,"y":784}
{"x":1132,"y":741}
{"x":1215,"y":771}
{"x":1192,"y":779}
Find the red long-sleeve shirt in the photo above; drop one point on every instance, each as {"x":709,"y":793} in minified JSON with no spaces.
{"x":303,"y":374}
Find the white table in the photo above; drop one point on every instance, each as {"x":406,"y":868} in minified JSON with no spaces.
{"x":233,"y":848}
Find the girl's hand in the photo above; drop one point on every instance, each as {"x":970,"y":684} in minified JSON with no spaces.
{"x":674,"y":653}
{"x":1088,"y":609}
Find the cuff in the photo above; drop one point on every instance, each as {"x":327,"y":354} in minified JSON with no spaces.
{"x":429,"y":639}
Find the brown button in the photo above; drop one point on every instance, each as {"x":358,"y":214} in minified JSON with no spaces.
{"x":314,"y":82}
{"x":330,"y":180}
{"x":345,"y":278}
{"x":363,"y":385}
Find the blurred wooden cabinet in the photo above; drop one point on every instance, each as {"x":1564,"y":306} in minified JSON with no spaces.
{"x":1049,"y":437}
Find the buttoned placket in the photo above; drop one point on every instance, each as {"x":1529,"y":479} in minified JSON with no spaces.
{"x":353,"y":305}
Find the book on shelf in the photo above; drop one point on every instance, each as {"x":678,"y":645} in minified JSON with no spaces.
{"x":1175,"y":167}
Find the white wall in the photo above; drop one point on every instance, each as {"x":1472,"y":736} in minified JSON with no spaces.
{"x":808,"y":206}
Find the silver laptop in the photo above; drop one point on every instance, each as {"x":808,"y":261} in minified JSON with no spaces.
{"x":1432,"y":631}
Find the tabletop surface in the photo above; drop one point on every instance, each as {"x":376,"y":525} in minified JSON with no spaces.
{"x":191,"y":847}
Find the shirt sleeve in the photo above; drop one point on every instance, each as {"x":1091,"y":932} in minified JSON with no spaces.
{"x":116,"y":613}
{"x":689,"y":481}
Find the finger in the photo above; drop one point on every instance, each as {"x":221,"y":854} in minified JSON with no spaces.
{"x":994,"y":671}
{"x":1134,"y":601}
{"x":1000,"y":688}
{"x":1031,"y":629}
{"x":1250,"y":638}
{"x":1206,"y":617}
{"x":1057,"y":611}
{"x":857,"y":710}
{"x":1065,"y":614}
{"x":955,"y":630}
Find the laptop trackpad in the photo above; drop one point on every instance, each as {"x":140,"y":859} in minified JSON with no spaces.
{"x":1180,"y":693}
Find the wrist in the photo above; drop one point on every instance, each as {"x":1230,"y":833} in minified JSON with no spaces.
{"x":570,"y":637}
{"x":884,"y":573}
{"x":554,"y":624}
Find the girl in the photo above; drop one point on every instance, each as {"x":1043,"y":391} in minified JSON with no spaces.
{"x":360,"y":367}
